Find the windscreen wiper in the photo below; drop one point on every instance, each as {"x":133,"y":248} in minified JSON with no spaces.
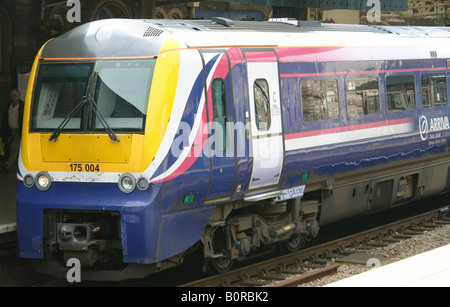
{"x":94,"y":107}
{"x":108,"y":129}
{"x":57,"y":132}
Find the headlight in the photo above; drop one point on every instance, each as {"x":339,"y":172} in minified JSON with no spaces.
{"x":142,"y":183}
{"x":65,"y":232}
{"x":127,"y":183}
{"x":43,"y":181}
{"x":28,"y":181}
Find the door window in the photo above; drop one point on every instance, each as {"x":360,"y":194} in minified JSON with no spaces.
{"x":262,"y":104}
{"x":220,"y":114}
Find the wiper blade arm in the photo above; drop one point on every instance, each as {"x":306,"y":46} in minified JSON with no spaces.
{"x":108,"y":129}
{"x":57,"y":132}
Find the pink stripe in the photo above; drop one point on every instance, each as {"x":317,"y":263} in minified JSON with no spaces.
{"x":298,"y":135}
{"x":340,"y":53}
{"x":201,"y":137}
{"x":361,"y":72}
{"x":314,"y":54}
{"x":260,"y":56}
{"x":195,"y":152}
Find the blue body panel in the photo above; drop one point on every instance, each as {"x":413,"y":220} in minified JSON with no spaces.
{"x":344,"y":159}
{"x":148,"y":236}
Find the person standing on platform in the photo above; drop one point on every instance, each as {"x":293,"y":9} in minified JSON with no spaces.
{"x":12,"y":126}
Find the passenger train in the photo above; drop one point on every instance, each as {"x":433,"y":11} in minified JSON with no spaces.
{"x":145,"y":140}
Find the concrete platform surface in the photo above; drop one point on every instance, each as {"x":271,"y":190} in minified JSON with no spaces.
{"x":429,"y":269}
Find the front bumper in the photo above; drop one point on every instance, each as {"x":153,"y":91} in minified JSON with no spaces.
{"x":148,"y":233}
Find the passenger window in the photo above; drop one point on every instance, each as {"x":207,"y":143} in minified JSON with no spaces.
{"x":262,"y":104}
{"x":400,"y":93}
{"x":434,"y":90}
{"x":363,"y":96}
{"x":320,"y":100}
{"x":220,"y":114}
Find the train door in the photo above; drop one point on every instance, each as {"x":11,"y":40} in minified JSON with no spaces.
{"x":220,"y":117}
{"x":266,"y":133}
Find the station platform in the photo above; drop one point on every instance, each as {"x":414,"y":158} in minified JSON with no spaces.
{"x":429,"y":269}
{"x":8,"y":210}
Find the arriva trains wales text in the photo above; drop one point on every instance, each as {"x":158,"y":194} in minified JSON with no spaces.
{"x":436,"y":124}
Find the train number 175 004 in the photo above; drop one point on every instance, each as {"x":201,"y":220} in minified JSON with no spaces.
{"x":79,"y":167}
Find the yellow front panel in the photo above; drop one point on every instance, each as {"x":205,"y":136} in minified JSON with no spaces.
{"x":27,"y":151}
{"x":86,"y":149}
{"x":93,"y":149}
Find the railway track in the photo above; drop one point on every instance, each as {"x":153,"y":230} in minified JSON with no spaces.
{"x":315,"y":262}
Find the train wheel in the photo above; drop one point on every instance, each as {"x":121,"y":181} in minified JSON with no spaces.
{"x":294,"y":243}
{"x":219,"y":265}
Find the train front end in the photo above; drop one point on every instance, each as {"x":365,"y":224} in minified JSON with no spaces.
{"x":95,"y":116}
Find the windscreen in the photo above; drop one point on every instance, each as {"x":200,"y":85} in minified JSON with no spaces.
{"x":59,"y":89}
{"x":120,"y":90}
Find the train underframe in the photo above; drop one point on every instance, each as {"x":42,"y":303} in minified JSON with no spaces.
{"x":239,"y":230}
{"x":242,"y":229}
{"x":251,"y":227}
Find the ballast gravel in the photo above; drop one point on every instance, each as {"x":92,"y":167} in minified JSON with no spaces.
{"x":406,"y":248}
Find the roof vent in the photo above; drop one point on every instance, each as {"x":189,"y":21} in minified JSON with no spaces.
{"x":223,"y":21}
{"x":309,"y":23}
{"x":152,"y":32}
{"x":298,"y":23}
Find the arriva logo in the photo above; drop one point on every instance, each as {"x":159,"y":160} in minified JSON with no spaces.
{"x":436,"y":124}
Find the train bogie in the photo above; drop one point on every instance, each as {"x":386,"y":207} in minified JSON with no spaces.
{"x":265,"y":223}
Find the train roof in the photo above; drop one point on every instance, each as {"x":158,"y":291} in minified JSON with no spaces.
{"x":280,"y":25}
{"x":137,"y":37}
